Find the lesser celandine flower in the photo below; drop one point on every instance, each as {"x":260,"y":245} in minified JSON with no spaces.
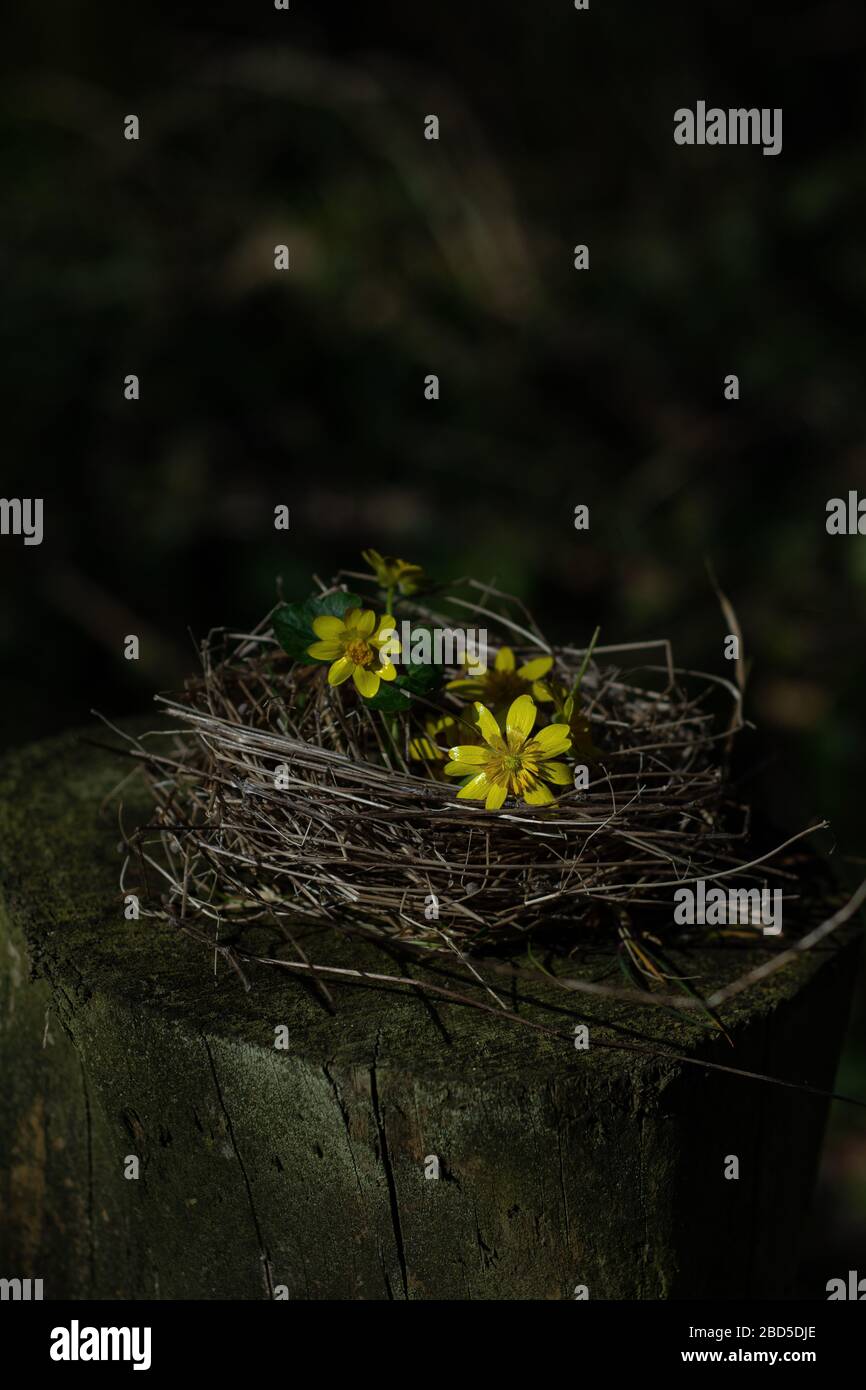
{"x":507,"y":680}
{"x":392,"y":573}
{"x":428,"y":746}
{"x":513,"y":764}
{"x":357,"y":646}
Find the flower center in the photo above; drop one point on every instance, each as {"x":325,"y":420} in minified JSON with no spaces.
{"x":360,"y":652}
{"x":512,"y":762}
{"x":501,"y":687}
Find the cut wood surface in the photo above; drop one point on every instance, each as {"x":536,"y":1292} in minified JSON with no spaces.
{"x":301,"y":1173}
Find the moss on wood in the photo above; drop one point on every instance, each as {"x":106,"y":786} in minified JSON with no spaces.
{"x":305,"y":1170}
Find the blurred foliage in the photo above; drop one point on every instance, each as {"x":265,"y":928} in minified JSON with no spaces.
{"x":409,"y":257}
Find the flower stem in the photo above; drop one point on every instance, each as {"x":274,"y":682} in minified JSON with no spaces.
{"x":388,"y":746}
{"x":589,"y":651}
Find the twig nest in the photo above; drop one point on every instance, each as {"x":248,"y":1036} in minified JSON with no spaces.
{"x":283,"y":791}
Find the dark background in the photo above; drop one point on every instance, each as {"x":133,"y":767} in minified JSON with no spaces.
{"x":409,"y":257}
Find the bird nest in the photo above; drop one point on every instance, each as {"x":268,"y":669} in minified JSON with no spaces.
{"x":280,"y":794}
{"x":542,"y":796}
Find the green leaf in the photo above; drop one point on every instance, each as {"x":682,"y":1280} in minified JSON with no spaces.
{"x":415,"y":677}
{"x":420,"y":680}
{"x":293,"y":622}
{"x":389,"y":699}
{"x":394,"y":696}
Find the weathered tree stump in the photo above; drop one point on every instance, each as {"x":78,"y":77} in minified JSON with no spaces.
{"x":301,"y":1173}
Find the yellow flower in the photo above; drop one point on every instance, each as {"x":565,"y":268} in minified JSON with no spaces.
{"x":392,"y":573}
{"x":448,"y":727}
{"x":358,"y":647}
{"x":515,"y":765}
{"x":507,"y":680}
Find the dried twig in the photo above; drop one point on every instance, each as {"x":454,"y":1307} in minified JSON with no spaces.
{"x":348,"y":840}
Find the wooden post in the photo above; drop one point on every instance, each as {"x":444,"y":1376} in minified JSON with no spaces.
{"x":310,"y":1172}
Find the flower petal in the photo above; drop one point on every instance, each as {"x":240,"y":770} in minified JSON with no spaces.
{"x":423,"y":747}
{"x":461,"y":769}
{"x":490,"y":730}
{"x":386,"y":624}
{"x":466,"y":753}
{"x":325,"y":651}
{"x":435,"y":726}
{"x":340,"y":671}
{"x":476,"y":790}
{"x":327,"y":626}
{"x":386,"y":672}
{"x":541,"y":693}
{"x":533,"y":669}
{"x":362,"y":622}
{"x":496,"y":796}
{"x":504,"y":659}
{"x":521,"y":717}
{"x":553,"y":740}
{"x":539,"y":795}
{"x":387,"y":644}
{"x":558,"y":773}
{"x":366,"y":682}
